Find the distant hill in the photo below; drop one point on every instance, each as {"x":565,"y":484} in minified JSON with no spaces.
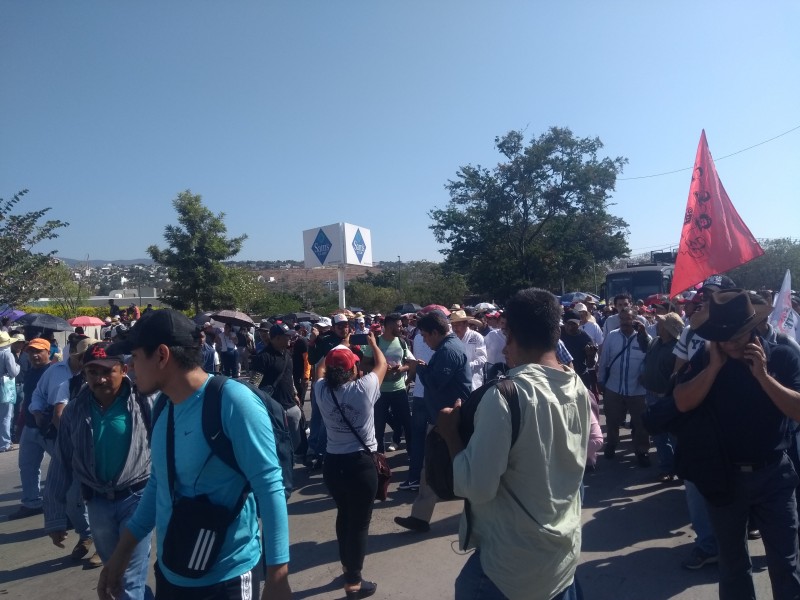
{"x":99,"y":263}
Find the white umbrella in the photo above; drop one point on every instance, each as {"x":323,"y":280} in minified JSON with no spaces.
{"x":485,"y":306}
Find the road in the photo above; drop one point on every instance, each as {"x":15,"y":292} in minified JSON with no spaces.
{"x":635,"y":536}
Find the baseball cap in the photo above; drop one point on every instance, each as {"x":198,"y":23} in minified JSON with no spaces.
{"x":716,"y":283}
{"x":165,"y":326}
{"x":580,"y":307}
{"x":572,"y":316}
{"x":280,"y":329}
{"x":39,"y":344}
{"x":97,"y":354}
{"x":324,"y":322}
{"x":341,"y":356}
{"x":339,"y":318}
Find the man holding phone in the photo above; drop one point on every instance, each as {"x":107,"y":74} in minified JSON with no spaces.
{"x":750,"y":387}
{"x":394,"y":397}
{"x":618,"y":374}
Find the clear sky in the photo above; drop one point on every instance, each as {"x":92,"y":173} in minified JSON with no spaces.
{"x":290,"y":115}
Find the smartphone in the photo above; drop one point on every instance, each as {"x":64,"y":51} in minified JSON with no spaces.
{"x":359,"y":339}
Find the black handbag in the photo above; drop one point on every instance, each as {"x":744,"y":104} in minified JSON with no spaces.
{"x":197,"y":527}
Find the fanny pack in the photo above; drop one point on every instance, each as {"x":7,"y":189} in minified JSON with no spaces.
{"x":197,"y":527}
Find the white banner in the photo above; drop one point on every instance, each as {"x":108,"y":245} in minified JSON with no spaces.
{"x":783,"y":317}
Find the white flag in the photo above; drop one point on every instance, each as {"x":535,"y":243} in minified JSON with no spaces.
{"x":783,"y":318}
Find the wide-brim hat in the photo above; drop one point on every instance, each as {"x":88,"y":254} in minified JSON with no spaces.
{"x":457,"y":316}
{"x":5,"y":339}
{"x":672,"y":323}
{"x":729,"y":314}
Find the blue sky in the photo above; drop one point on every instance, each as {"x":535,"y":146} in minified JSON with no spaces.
{"x":291,"y":115}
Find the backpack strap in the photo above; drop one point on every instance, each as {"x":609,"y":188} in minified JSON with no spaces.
{"x":508,"y":390}
{"x":216,"y":439}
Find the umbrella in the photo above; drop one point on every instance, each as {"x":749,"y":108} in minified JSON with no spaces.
{"x":301,"y":316}
{"x":233,"y":317}
{"x":86,"y":321}
{"x":202,"y":318}
{"x":12,"y":314}
{"x":485,"y":306}
{"x":408,"y":307}
{"x":43,"y":321}
{"x":438,"y":307}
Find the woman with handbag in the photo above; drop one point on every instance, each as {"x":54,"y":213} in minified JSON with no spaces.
{"x":347,"y":408}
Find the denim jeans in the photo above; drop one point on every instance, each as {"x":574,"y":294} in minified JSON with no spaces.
{"x":108,"y":517}
{"x":698,"y":515}
{"x":419,"y":426}
{"x":767,"y":496}
{"x":473,"y":584}
{"x":6,"y":421}
{"x":32,"y":446}
{"x":664,"y":443}
{"x":318,"y":435}
{"x":397,"y":402}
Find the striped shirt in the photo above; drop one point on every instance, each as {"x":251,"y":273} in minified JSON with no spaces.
{"x":625,"y":357}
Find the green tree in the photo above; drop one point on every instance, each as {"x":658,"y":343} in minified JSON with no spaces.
{"x":20,"y":266}
{"x":240,"y":289}
{"x":371,"y":297}
{"x":67,"y":294}
{"x":540,"y":216}
{"x":194,"y":254}
{"x":767,"y":271}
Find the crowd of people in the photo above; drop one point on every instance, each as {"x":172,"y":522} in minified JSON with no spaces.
{"x":702,"y":377}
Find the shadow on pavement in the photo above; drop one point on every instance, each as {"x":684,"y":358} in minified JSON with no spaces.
{"x":37,"y":569}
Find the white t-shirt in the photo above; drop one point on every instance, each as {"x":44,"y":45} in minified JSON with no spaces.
{"x":357,"y":399}
{"x":495,"y":343}
{"x":688,"y":344}
{"x":593,"y":330}
{"x":423,"y":352}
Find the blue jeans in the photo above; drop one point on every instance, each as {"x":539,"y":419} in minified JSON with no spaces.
{"x":6,"y":421}
{"x":664,"y":443}
{"x":767,"y":496}
{"x":32,"y":446}
{"x":419,"y":428}
{"x":108,"y":518}
{"x":318,"y":435}
{"x":698,"y":515}
{"x":473,"y":584}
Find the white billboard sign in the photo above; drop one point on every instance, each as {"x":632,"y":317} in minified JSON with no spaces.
{"x":337,"y":244}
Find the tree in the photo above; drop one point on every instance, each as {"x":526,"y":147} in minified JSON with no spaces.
{"x":537,"y":218}
{"x":767,"y":271}
{"x":66,"y":292}
{"x":20,"y":266}
{"x":196,"y":249}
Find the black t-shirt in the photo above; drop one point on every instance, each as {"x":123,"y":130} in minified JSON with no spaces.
{"x":277,"y":369}
{"x":751,"y":426}
{"x":576,"y":344}
{"x":32,"y":377}
{"x":300,"y":347}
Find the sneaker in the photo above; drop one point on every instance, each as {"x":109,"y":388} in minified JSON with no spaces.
{"x":94,"y":561}
{"x":23,"y":512}
{"x":409,"y":485}
{"x":81,"y":549}
{"x":391,"y":448}
{"x":413,"y":524}
{"x":753,"y":534}
{"x":609,"y":451}
{"x":643,"y":460}
{"x":699,"y":559}
{"x":8,"y":448}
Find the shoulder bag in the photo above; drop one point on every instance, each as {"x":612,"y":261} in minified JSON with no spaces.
{"x":381,"y":466}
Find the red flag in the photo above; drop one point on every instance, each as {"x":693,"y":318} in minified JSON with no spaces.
{"x":714,"y":238}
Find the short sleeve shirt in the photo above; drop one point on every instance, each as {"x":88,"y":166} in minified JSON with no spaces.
{"x":395,"y":355}
{"x":357,"y":399}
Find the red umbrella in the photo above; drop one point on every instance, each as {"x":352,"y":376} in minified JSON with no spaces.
{"x":86,"y":322}
{"x":431,"y":307}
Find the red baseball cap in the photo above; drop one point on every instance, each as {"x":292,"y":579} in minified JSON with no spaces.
{"x":341,"y":356}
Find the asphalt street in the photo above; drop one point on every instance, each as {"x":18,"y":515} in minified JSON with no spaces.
{"x":635,"y":536}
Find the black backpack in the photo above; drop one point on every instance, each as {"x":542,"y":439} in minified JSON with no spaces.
{"x":438,"y":464}
{"x":220,"y":443}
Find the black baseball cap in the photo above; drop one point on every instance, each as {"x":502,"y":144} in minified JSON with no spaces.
{"x":164,"y":326}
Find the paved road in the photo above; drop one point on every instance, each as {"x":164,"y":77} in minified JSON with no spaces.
{"x":635,"y":537}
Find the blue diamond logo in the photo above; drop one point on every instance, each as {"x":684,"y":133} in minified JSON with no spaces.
{"x":359,"y":245}
{"x":321,"y":246}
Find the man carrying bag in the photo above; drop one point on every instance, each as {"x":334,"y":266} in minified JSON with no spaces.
{"x":202,"y":556}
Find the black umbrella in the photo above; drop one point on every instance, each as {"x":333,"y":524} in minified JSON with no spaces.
{"x":408,"y":307}
{"x":43,"y":321}
{"x":234,"y":317}
{"x":301,"y":316}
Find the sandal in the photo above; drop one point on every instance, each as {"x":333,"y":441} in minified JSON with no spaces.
{"x":365,"y":591}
